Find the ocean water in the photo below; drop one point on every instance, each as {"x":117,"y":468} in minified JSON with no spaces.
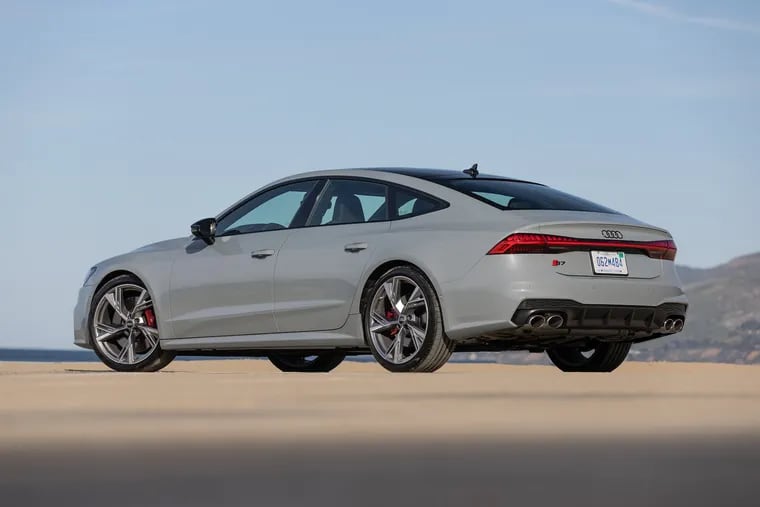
{"x":62,"y":356}
{"x":47,"y":356}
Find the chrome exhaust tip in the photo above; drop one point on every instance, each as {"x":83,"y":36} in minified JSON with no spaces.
{"x":536,"y":321}
{"x":555,"y":321}
{"x":677,"y":325}
{"x":668,"y":326}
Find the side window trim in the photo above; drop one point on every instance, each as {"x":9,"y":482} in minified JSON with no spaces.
{"x":308,"y":202}
{"x":309,"y":206}
{"x":314,"y":205}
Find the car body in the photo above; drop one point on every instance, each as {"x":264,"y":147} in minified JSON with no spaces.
{"x":509,"y":272}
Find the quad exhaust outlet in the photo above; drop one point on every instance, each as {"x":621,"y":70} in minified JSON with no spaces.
{"x":557,"y":321}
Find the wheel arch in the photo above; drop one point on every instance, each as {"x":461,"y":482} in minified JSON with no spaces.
{"x":115,"y":274}
{"x":378,"y":271}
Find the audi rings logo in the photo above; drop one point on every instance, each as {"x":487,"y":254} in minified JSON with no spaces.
{"x":612,"y":234}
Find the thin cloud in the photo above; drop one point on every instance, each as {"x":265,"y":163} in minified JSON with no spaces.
{"x":663,"y":11}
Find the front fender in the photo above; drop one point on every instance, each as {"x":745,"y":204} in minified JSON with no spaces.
{"x":154,"y":268}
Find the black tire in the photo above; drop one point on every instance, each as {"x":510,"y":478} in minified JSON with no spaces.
{"x":313,"y":363}
{"x":155,"y":361}
{"x":606,"y":357}
{"x":436,"y":348}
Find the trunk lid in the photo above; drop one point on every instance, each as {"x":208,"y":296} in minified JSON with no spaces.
{"x":609,"y":233}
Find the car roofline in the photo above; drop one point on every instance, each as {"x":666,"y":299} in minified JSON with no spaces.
{"x":427,"y":174}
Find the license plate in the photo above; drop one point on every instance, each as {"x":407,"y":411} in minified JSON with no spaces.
{"x":609,"y":263}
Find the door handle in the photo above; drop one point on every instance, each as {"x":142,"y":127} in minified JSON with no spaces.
{"x":262,"y":254}
{"x":355,"y":247}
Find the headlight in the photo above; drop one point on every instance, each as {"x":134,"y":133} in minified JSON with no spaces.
{"x":89,"y":275}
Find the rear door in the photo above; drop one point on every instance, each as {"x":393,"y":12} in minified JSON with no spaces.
{"x":319,"y":267}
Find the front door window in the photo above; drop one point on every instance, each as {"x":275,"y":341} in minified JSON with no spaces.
{"x":273,"y":210}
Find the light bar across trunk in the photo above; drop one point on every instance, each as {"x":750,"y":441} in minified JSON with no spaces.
{"x":525,"y":243}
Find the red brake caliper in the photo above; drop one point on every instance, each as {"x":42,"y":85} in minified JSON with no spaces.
{"x":391,"y":315}
{"x":150,"y":317}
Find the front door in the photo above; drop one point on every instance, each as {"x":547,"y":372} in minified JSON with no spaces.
{"x":226,"y":288}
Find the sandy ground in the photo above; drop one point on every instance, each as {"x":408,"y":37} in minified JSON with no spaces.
{"x":242,"y":433}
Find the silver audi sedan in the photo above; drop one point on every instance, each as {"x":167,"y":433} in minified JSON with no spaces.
{"x":409,"y":265}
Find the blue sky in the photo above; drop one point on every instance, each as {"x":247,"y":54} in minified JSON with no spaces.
{"x":123,"y":122}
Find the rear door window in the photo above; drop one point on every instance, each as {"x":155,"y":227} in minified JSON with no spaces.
{"x":345,"y":201}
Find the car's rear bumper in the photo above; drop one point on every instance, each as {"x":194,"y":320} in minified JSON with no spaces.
{"x":488,"y":299}
{"x":577,"y":316}
{"x":81,"y":311}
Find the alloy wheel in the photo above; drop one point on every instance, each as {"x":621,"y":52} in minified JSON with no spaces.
{"x":124,"y":324}
{"x":398,"y":319}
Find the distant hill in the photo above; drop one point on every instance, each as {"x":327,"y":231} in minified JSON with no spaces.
{"x":723,"y":323}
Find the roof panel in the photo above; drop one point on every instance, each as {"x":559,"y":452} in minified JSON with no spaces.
{"x":438,"y":174}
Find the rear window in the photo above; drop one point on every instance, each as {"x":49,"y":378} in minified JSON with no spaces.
{"x":505,"y":194}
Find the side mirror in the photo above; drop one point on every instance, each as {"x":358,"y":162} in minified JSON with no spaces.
{"x":205,"y":229}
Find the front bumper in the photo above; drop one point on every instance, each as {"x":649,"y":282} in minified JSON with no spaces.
{"x":81,"y":316}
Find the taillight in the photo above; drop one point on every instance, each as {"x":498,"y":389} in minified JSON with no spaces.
{"x":524,"y":243}
{"x":665,"y":249}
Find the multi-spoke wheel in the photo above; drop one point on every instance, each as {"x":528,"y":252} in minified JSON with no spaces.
{"x":600,"y":357}
{"x":124,"y":327}
{"x":315,"y":363}
{"x":403,"y":323}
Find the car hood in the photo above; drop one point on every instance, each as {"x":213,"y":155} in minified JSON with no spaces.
{"x":162,"y":246}
{"x":126,"y":259}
